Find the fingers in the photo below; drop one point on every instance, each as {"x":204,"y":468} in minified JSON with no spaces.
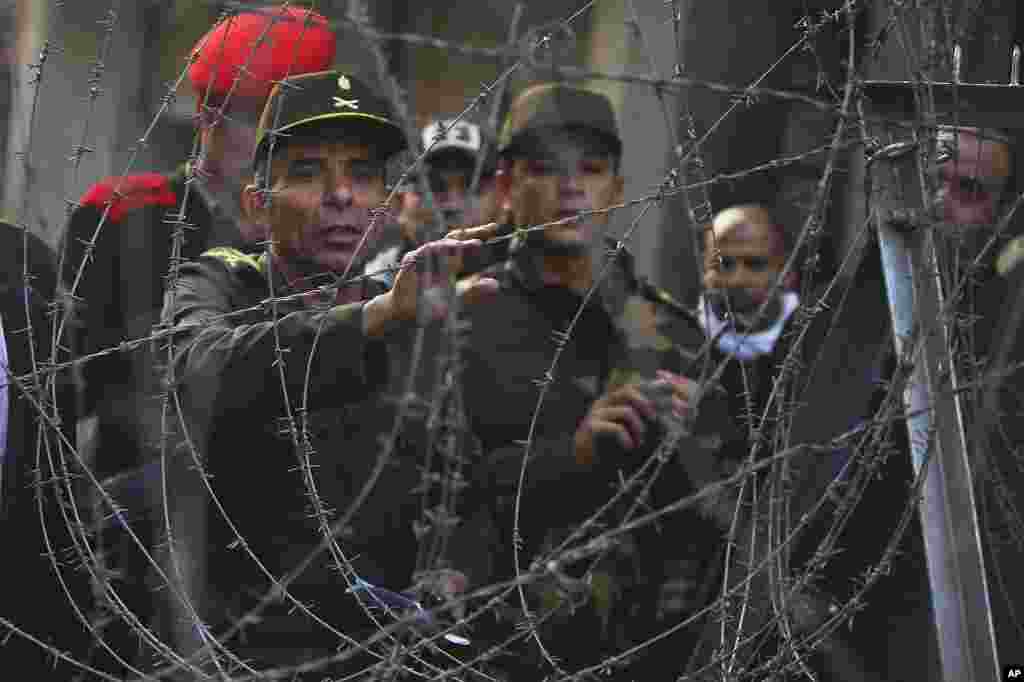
{"x":481,"y":232}
{"x":450,"y":246}
{"x":476,"y":289}
{"x":622,"y":421}
{"x":442,"y":257}
{"x":686,"y":389}
{"x":455,"y":251}
{"x":421,"y":286}
{"x":627,"y":440}
{"x":626,"y":413}
{"x":628,"y":395}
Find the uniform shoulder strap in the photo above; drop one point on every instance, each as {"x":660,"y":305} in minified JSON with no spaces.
{"x":1011,"y":256}
{"x":236,"y":260}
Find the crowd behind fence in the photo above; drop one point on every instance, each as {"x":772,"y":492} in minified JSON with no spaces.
{"x":782,"y":524}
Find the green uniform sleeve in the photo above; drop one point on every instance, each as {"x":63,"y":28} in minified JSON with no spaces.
{"x":230,"y":363}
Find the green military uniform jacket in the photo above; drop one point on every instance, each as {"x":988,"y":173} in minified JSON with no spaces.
{"x":627,"y":332}
{"x":232,"y":393}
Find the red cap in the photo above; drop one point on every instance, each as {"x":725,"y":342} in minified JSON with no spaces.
{"x":291,"y":46}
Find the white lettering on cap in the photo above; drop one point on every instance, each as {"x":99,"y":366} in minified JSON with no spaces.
{"x":460,"y":134}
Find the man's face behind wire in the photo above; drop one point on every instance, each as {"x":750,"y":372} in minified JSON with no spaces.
{"x":324,"y":196}
{"x":743,"y":256}
{"x":972,"y":179}
{"x":560,"y":176}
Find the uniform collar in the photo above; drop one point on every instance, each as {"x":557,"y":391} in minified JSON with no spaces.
{"x":370,"y":287}
{"x":616,"y":284}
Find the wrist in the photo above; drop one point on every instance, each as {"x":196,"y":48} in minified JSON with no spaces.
{"x":583,"y":448}
{"x":379,"y":316}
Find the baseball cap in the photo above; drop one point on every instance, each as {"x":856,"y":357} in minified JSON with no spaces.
{"x":553,"y":106}
{"x":455,"y":136}
{"x":297,"y":41}
{"x":462,"y":141}
{"x":328,"y":99}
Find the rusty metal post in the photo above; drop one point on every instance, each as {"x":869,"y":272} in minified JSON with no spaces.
{"x":956,"y":564}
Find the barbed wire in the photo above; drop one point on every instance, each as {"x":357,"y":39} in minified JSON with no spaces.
{"x":767,"y":590}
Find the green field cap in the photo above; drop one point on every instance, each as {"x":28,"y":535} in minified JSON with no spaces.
{"x":328,"y":99}
{"x":553,"y":106}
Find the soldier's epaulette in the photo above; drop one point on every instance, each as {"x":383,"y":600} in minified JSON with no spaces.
{"x":1011,"y":256}
{"x":662,"y":297}
{"x":130,"y":192}
{"x":235,"y":260}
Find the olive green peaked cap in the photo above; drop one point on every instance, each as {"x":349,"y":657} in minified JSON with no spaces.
{"x":552,"y":106}
{"x":327,"y":99}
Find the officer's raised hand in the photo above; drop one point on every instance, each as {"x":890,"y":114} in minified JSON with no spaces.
{"x":423,"y":276}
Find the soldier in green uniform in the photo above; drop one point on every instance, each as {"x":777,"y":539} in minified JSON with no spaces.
{"x":118,"y":285}
{"x":320,"y":362}
{"x":618,"y":384}
{"x":119,"y":252}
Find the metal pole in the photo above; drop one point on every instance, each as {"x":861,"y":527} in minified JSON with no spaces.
{"x":31,"y":18}
{"x":956,"y":569}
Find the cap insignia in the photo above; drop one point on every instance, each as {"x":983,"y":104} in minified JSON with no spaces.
{"x":340,"y":102}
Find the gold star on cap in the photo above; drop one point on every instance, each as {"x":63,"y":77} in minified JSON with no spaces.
{"x":328,"y":98}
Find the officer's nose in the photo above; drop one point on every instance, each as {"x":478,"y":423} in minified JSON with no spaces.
{"x":746,"y":281}
{"x":339,"y":193}
{"x":570,"y":182}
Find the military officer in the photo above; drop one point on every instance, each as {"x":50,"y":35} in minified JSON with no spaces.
{"x":321,"y":361}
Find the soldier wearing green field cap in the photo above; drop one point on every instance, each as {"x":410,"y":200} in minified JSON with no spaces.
{"x":321,"y":359}
{"x":618,"y":390}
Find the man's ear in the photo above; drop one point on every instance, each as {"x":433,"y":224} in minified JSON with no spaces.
{"x":502,"y":185}
{"x":619,"y":194}
{"x":254,"y":204}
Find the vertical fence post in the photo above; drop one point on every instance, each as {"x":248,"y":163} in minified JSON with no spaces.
{"x":956,"y":568}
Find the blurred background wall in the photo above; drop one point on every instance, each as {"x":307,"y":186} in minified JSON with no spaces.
{"x":727,"y":41}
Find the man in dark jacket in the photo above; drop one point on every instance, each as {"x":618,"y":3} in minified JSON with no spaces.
{"x":615,"y":392}
{"x":122,"y":244}
{"x":285,"y":402}
{"x":42,"y":572}
{"x":757,"y":327}
{"x":118,"y":283}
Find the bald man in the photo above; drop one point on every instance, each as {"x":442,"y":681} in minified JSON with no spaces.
{"x":745,"y":251}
